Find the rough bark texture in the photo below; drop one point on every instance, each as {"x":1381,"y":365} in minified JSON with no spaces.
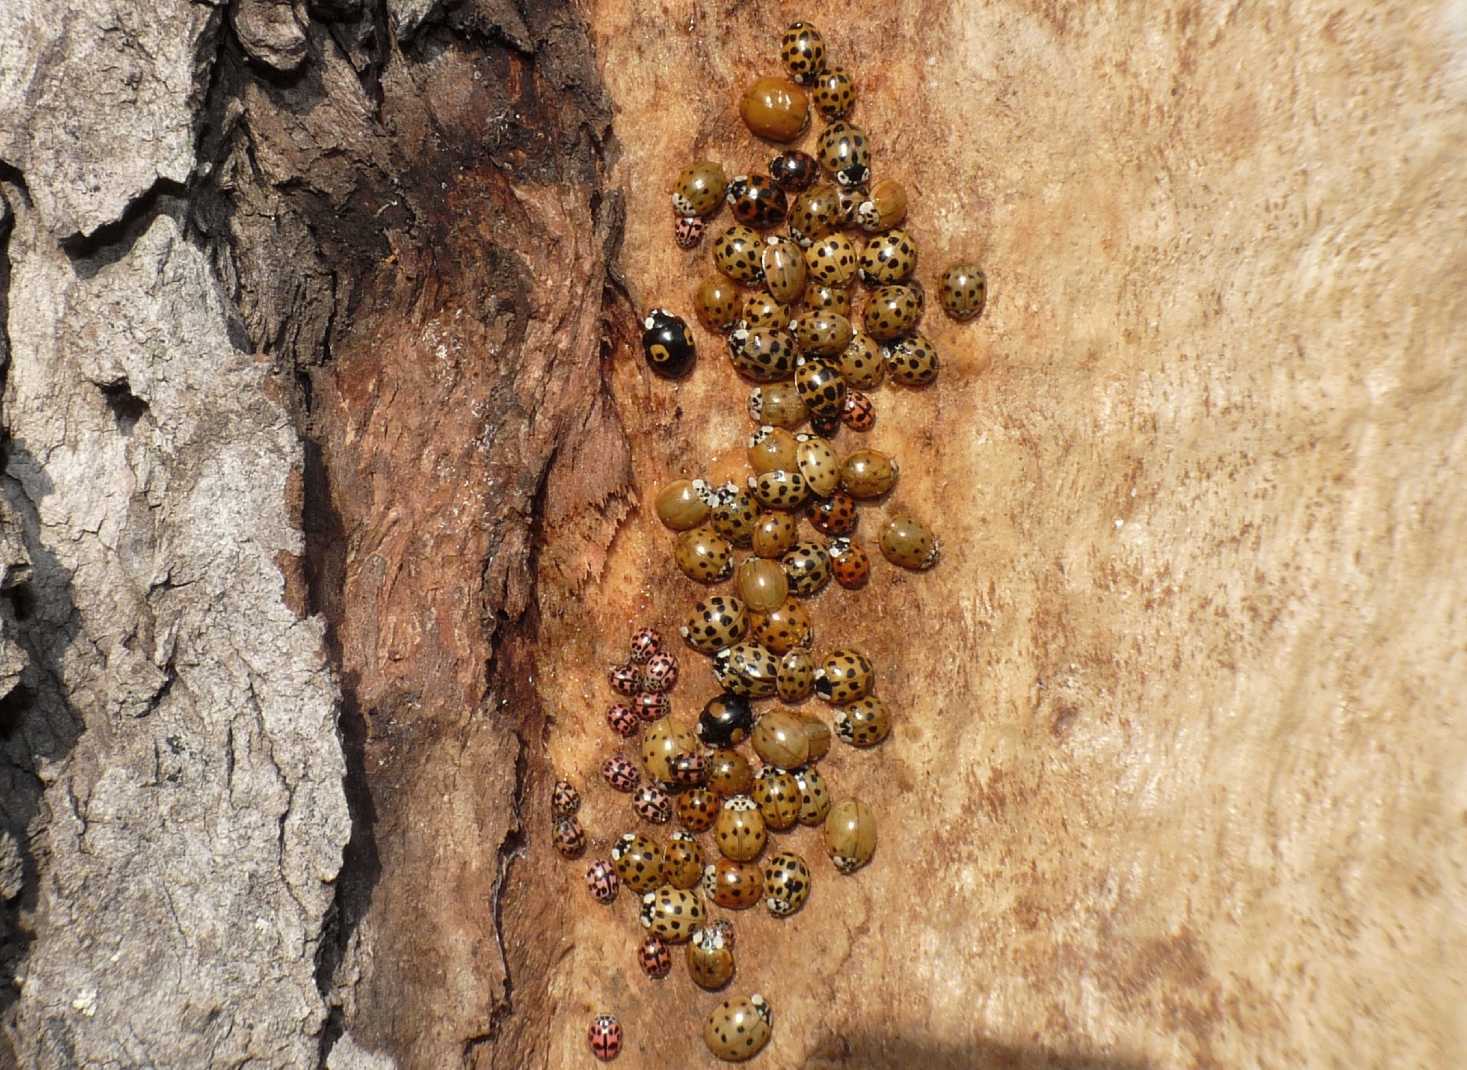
{"x":325,"y":453}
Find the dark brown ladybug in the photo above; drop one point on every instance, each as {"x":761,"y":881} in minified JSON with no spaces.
{"x":835,"y":516}
{"x":756,"y":201}
{"x":794,"y":171}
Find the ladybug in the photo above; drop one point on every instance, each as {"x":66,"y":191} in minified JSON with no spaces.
{"x":821,"y":388}
{"x":620,"y":773}
{"x":773,"y":536}
{"x":747,"y":669}
{"x":802,"y":51}
{"x":822,"y":298}
{"x":834,"y":94}
{"x":733,"y":885}
{"x":844,"y":676}
{"x":697,"y":809}
{"x":771,"y":449}
{"x":666,"y":344}
{"x":736,"y":253}
{"x":660,"y":673}
{"x":682,"y":861}
{"x":868,"y":473}
{"x":699,"y":189}
{"x":825,"y":424}
{"x":703,"y":555}
{"x":912,"y":361}
{"x":861,"y":364}
{"x":623,"y":720}
{"x":729,"y":772}
{"x":888,"y":258}
{"x":565,"y":800}
{"x":710,"y":956}
{"x":794,"y":171}
{"x":891,"y":312}
{"x":796,"y":677}
{"x":624,"y":679}
{"x":645,"y":643}
{"x":602,"y":881}
{"x":884,"y":207}
{"x":908,"y":543}
{"x":654,"y":958}
{"x":778,"y":798}
{"x":739,"y":830}
{"x":964,"y":291}
{"x":726,"y":721}
{"x":808,"y":567}
{"x":738,"y":1029}
{"x":672,"y":913}
{"x":653,"y":706}
{"x":761,"y":354}
{"x":757,"y":201}
{"x":688,"y":770}
{"x":835,"y":516}
{"x":846,"y":154}
{"x":849,"y":563}
{"x":761,"y":310}
{"x":778,"y":404}
{"x":568,"y":837}
{"x":848,"y":199}
{"x":735,"y":514}
{"x":821,"y":334}
{"x":859,"y":412}
{"x":850,"y":835}
{"x":785,"y":629}
{"x":786,"y":884}
{"x":832,"y":260}
{"x":781,"y":739}
{"x":715,"y":623}
{"x":687,"y":231}
{"x":815,"y":213}
{"x":716,"y":301}
{"x":818,"y":464}
{"x":863,"y":723}
{"x":604,"y":1036}
{"x":784,"y":269}
{"x":638,"y":861}
{"x":814,"y":796}
{"x":652,"y":804}
{"x":780,"y":490}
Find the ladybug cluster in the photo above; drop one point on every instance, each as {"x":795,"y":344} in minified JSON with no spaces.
{"x":814,"y":296}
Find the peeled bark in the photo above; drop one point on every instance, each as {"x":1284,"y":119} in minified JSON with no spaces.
{"x":326,"y":452}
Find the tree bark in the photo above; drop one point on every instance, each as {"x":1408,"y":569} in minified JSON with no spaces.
{"x":326,"y":453}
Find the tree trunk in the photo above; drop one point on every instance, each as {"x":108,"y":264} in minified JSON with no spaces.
{"x":328,"y":463}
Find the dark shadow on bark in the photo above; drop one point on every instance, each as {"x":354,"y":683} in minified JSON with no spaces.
{"x":893,"y":1051}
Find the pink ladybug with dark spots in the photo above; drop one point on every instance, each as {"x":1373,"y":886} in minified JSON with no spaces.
{"x":660,"y":673}
{"x":565,"y":800}
{"x":604,"y":1036}
{"x":654,"y":958}
{"x":620,"y":773}
{"x":689,"y":770}
{"x":623,"y":720}
{"x":859,"y":411}
{"x":653,"y":706}
{"x":624,"y":679}
{"x":652,"y":804}
{"x":645,"y":644}
{"x":602,"y":881}
{"x":569,"y":839}
{"x":687,"y":231}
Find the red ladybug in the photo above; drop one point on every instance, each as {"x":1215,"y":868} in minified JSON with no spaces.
{"x":835,"y":516}
{"x":620,"y":773}
{"x":687,"y":231}
{"x":569,"y":839}
{"x":756,"y":201}
{"x":689,"y":769}
{"x":660,"y":673}
{"x":623,"y":720}
{"x":653,"y":706}
{"x":652,"y":804}
{"x":602,"y":881}
{"x":859,"y":413}
{"x":644,"y":644}
{"x":849,"y":563}
{"x":604,"y":1036}
{"x":624,"y":679}
{"x":654,"y":958}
